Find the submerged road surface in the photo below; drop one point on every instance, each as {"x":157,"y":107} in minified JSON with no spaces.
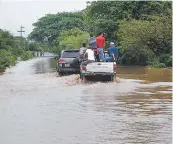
{"x":38,"y":107}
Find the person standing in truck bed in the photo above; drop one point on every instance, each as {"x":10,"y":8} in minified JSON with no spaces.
{"x":82,"y":50}
{"x":80,"y":57}
{"x":93,"y":46}
{"x":100,"y":41}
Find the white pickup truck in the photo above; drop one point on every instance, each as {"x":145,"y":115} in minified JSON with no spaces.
{"x":99,"y":70}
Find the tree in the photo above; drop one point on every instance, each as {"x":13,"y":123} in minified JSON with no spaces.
{"x":154,"y":35}
{"x":71,"y":39}
{"x":152,"y":38}
{"x":106,"y":16}
{"x":142,"y":29}
{"x":11,"y":49}
{"x":50,"y":26}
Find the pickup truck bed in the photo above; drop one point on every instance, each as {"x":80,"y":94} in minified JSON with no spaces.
{"x":106,"y":70}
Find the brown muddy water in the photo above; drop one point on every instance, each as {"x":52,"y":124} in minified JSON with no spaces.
{"x":38,"y":107}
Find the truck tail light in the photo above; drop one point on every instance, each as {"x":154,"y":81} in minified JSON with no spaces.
{"x":115,"y":67}
{"x":84,"y":68}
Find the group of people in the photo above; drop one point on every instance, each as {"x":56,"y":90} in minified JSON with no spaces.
{"x":40,"y":53}
{"x":95,"y":52}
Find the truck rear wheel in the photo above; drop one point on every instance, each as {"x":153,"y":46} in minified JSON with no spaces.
{"x":85,"y":78}
{"x":111,"y":78}
{"x":60,"y":73}
{"x":81,"y":76}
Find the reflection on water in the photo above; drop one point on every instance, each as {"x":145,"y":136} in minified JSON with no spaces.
{"x":129,"y":116}
{"x":45,"y":65}
{"x":37,"y":65}
{"x":147,"y":74}
{"x":39,"y":107}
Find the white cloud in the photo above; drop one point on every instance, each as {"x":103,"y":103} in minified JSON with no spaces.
{"x":15,"y":13}
{"x":4,"y":1}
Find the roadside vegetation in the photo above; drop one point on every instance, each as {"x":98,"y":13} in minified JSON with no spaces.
{"x":141,"y":29}
{"x":11,"y":49}
{"x":14,"y":48}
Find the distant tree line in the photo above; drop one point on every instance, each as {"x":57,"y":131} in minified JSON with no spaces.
{"x":141,"y":29}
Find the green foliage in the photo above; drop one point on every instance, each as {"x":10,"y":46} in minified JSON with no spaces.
{"x":21,"y":43}
{"x":153,"y":36}
{"x":106,"y":15}
{"x":11,"y":48}
{"x":44,"y":47}
{"x":50,"y":26}
{"x":56,"y":49}
{"x":6,"y":59}
{"x":71,"y":39}
{"x":166,"y":59}
{"x":27,"y":55}
{"x":33,"y":46}
{"x":142,"y":29}
{"x":157,"y":64}
{"x":136,"y":57}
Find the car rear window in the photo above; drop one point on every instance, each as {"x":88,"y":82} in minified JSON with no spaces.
{"x":71,"y":54}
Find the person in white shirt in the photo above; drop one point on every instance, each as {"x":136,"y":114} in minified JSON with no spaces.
{"x":89,"y":56}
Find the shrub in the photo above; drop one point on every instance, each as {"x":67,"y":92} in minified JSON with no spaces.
{"x":152,"y":35}
{"x":166,"y":59}
{"x":27,"y":55}
{"x":6,"y":59}
{"x":157,"y":64}
{"x":70,"y":39}
{"x":135,"y":57}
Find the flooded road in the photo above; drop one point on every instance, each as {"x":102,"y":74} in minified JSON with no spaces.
{"x":38,"y":107}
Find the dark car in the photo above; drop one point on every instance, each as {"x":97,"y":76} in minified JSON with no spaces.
{"x":67,"y":62}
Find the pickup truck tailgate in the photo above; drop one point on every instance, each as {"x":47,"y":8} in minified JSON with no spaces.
{"x":105,"y":67}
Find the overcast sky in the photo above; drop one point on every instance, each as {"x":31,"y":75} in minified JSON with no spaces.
{"x":14,"y":13}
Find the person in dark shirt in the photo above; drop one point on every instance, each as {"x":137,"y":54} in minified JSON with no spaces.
{"x":92,"y":41}
{"x":82,"y":50}
{"x":80,"y":57}
{"x":93,"y":46}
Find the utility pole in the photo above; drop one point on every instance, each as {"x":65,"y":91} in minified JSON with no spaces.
{"x":21,"y":31}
